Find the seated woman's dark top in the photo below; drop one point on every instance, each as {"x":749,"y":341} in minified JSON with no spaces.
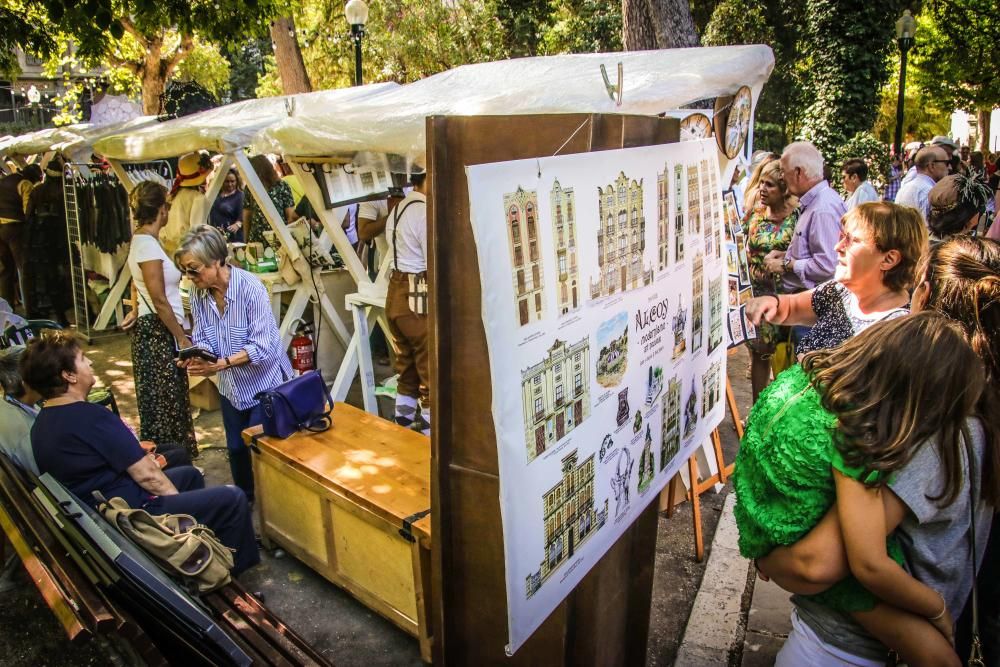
{"x":87,"y":448}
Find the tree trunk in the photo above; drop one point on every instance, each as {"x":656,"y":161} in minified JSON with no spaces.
{"x":153,"y":77}
{"x":657,"y":24}
{"x":291,"y":68}
{"x":984,"y":116}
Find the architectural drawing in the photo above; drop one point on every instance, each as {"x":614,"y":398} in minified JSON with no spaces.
{"x":678,"y":214}
{"x":623,"y":408}
{"x":694,"y":202}
{"x":708,"y":217}
{"x":654,"y":384}
{"x":711,"y":387}
{"x":526,"y":257}
{"x":612,"y":360}
{"x":670,"y":443}
{"x":563,"y":203}
{"x":663,"y":217}
{"x":680,"y":329}
{"x":570,"y":517}
{"x":714,"y":313}
{"x":691,"y":411}
{"x":620,"y":481}
{"x":621,"y":239}
{"x":698,"y":301}
{"x":647,"y":462}
{"x":555,"y":393}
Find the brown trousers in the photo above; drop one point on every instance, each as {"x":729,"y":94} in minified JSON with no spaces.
{"x":12,"y":256}
{"x":409,"y":331}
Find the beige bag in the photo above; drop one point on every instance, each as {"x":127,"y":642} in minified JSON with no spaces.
{"x":177,"y":542}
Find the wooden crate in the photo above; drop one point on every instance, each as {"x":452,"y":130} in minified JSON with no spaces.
{"x":338,"y":501}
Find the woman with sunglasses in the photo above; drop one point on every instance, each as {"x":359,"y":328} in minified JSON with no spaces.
{"x":157,"y":324}
{"x":233,"y":321}
{"x":877,"y":255}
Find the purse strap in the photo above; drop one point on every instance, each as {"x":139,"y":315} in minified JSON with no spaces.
{"x":976,"y":650}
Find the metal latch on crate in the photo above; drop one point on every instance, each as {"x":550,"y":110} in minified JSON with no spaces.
{"x":406,"y":531}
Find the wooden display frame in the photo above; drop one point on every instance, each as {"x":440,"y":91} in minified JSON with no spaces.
{"x":605,"y":620}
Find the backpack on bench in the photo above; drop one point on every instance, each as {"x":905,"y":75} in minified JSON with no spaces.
{"x":177,"y":542}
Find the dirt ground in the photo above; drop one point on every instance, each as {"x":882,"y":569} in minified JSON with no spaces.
{"x":341,"y":628}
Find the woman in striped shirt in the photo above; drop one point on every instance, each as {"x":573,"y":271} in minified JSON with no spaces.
{"x":232,"y":319}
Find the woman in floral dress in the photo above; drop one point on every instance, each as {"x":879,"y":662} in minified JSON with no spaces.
{"x":769,"y":226}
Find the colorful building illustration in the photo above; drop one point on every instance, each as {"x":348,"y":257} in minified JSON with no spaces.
{"x":678,"y":213}
{"x":698,"y":298}
{"x":708,"y":217}
{"x":647,"y":462}
{"x":714,"y":313}
{"x":691,"y":411}
{"x":671,"y":442}
{"x":556,"y":395}
{"x":570,"y":517}
{"x":663,"y":217}
{"x":621,"y":239}
{"x":711,"y":387}
{"x":680,"y":329}
{"x":563,"y":203}
{"x":525,"y":252}
{"x":694,"y":202}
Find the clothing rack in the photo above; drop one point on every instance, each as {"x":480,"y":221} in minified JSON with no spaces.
{"x":76,"y":173}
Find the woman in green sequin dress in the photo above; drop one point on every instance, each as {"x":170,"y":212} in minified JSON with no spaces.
{"x":838,"y":426}
{"x":769,"y":226}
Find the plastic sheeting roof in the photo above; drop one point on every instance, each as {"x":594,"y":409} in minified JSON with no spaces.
{"x":393,"y":121}
{"x":75,"y":141}
{"x":225,"y":128}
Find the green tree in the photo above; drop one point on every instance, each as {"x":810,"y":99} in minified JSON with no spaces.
{"x":848,"y":42}
{"x":22,"y":27}
{"x":955,"y":54}
{"x":923,"y":116}
{"x":583,"y":26}
{"x":524,"y":23}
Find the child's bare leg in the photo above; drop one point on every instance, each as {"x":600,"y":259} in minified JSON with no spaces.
{"x":917,"y":642}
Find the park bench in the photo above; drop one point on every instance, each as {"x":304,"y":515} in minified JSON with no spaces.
{"x":101,"y":586}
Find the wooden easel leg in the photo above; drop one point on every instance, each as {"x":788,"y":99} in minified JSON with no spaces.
{"x":734,"y":410}
{"x":670,"y":495}
{"x":699,"y":545}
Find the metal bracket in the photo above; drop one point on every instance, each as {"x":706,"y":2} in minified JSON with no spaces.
{"x":406,"y":531}
{"x":614,"y":90}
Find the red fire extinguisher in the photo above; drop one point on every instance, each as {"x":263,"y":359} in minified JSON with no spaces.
{"x":303,"y":358}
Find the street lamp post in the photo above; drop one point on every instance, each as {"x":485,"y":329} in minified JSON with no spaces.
{"x":357,"y":15}
{"x":906,"y":27}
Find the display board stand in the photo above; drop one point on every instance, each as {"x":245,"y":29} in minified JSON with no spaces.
{"x":605,"y":620}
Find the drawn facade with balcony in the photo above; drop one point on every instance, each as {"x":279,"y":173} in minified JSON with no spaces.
{"x":555,"y":395}
{"x":621,"y":239}
{"x":563,"y":204}
{"x":663,"y":218}
{"x":525,"y":253}
{"x":716,"y":202}
{"x":679,"y":213}
{"x":694,"y":201}
{"x":714,"y":314}
{"x":711,"y":387}
{"x":570,"y":517}
{"x":671,"y":439}
{"x":698,"y":301}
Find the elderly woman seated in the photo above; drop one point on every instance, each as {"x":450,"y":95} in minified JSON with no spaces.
{"x":88,"y":449}
{"x":17,"y":411}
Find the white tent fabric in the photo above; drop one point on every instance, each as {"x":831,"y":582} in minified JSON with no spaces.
{"x":40,"y":141}
{"x":225,"y":128}
{"x":393,"y":121}
{"x":75,"y":141}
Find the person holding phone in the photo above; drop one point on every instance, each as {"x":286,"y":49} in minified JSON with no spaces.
{"x":233,"y":321}
{"x":157,"y":325}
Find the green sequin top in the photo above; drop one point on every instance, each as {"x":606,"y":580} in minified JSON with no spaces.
{"x":784,"y":477}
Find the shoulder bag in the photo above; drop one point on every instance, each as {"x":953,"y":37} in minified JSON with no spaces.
{"x":302,"y":403}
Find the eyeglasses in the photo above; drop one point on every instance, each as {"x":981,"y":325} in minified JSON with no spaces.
{"x":188,"y":271}
{"x":941,"y":161}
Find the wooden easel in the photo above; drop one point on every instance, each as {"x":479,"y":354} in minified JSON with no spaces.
{"x":698,"y":488}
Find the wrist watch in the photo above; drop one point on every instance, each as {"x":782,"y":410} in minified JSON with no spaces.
{"x":786,"y":264}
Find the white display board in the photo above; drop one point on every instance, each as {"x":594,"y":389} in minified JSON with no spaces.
{"x":604,"y":304}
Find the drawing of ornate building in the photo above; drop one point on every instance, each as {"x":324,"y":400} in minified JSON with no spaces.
{"x":570,"y":517}
{"x":671,"y":442}
{"x":621,"y":239}
{"x":711,"y":387}
{"x":555,"y":393}
{"x":698,"y":301}
{"x":714,"y":313}
{"x":663,"y":217}
{"x":706,"y":207}
{"x":691,"y":411}
{"x":694,"y":201}
{"x":525,"y":253}
{"x":563,"y":204}
{"x":679,"y":327}
{"x":717,"y":221}
{"x":679,"y":213}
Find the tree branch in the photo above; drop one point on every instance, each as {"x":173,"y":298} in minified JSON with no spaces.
{"x":132,"y":30}
{"x":181,"y":52}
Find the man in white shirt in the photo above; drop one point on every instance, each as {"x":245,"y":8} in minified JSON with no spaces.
{"x":856,"y":183}
{"x":932,"y":165}
{"x":406,"y":232}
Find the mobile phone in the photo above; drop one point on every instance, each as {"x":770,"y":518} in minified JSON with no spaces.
{"x":195,"y":352}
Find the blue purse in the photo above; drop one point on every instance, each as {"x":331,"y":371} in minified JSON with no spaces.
{"x":302,"y":403}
